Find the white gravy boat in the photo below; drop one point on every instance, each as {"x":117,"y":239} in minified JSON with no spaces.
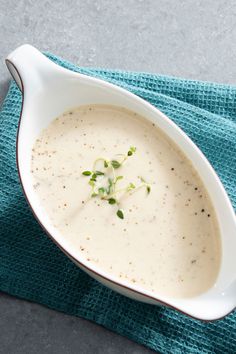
{"x":49,"y":90}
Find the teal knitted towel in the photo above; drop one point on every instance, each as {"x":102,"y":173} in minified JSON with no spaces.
{"x":33,"y":268}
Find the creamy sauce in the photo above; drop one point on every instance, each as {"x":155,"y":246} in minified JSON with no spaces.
{"x":168,"y":242}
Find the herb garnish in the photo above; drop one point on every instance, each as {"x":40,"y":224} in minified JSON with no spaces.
{"x":112,"y":201}
{"x":104,"y":183}
{"x":115,"y":164}
{"x":87,"y":173}
{"x":120,"y":214}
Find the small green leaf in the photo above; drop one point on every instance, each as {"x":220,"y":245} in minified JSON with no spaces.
{"x":130,"y":187}
{"x":131,"y":151}
{"x":99,"y":173}
{"x":111,"y":201}
{"x":91,"y":183}
{"x":148,"y":189}
{"x":110,"y":185}
{"x":120,"y":214}
{"x":93,"y":178}
{"x":119,"y":178}
{"x":87,"y":173}
{"x":94,"y":195}
{"x":105,"y":163}
{"x":115,"y":164}
{"x":101,"y":190}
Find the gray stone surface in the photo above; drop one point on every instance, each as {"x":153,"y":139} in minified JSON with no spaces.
{"x":189,"y":38}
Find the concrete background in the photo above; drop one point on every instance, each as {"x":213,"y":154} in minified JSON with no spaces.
{"x":188,"y":38}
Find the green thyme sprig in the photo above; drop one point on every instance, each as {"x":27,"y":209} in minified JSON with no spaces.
{"x":145,"y":184}
{"x":109,"y":190}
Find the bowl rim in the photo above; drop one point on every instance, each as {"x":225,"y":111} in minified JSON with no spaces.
{"x":68,"y":254}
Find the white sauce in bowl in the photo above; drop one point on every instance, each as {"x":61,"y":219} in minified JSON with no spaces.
{"x":168,"y":241}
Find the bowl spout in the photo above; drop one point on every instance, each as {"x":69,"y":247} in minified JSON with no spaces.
{"x":29,"y":67}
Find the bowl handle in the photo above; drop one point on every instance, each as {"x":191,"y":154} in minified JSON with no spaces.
{"x":28,"y":67}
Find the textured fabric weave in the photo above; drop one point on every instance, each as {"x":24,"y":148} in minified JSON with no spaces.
{"x":33,"y":268}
